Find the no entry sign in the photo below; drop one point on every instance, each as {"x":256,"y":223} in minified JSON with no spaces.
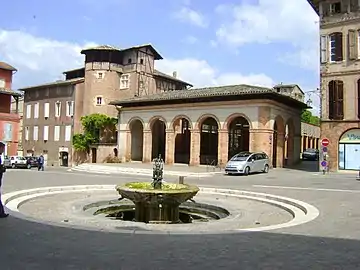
{"x":325,"y":142}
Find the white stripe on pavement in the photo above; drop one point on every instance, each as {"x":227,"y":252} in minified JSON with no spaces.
{"x":312,"y":189}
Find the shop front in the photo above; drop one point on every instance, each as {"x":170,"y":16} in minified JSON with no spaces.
{"x":349,"y":150}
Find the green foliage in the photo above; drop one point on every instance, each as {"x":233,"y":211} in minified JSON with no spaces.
{"x":92,"y":125}
{"x":307,"y":117}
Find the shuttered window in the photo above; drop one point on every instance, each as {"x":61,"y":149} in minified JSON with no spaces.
{"x":336,"y":47}
{"x":336,"y":100}
{"x":358,"y":98}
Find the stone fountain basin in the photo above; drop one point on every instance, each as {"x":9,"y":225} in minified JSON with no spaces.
{"x":143,"y":192}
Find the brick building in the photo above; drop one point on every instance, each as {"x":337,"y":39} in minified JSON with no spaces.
{"x":52,"y":111}
{"x":340,"y":80}
{"x":209,"y":125}
{"x":9,"y":121}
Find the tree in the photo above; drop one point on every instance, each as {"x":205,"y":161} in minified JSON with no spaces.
{"x":307,"y":117}
{"x":92,"y":124}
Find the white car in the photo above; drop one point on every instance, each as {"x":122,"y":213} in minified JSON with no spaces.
{"x":248,"y":162}
{"x":18,"y":162}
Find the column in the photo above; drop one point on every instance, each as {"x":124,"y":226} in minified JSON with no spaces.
{"x":128,"y":146}
{"x":296,"y":148}
{"x":302,"y":144}
{"x":169,"y":146}
{"x":195,"y":148}
{"x":261,"y":140}
{"x":147,"y":146}
{"x":122,"y":145}
{"x":280,"y":150}
{"x":223,"y":147}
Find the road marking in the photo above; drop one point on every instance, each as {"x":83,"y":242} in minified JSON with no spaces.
{"x":313,"y":189}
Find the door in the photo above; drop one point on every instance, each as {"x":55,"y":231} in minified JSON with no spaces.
{"x":64,"y":159}
{"x":93,"y":155}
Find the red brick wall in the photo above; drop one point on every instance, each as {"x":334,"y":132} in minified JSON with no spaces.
{"x":7,"y":75}
{"x":5,"y":103}
{"x":12,"y":145}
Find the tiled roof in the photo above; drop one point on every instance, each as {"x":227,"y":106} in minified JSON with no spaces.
{"x":169,"y":77}
{"x":206,"y":93}
{"x":113,"y":48}
{"x":6,"y":66}
{"x":10,"y":92}
{"x":60,"y":82}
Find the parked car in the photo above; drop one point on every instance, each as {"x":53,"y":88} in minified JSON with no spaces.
{"x":7,"y":162}
{"x":248,"y":162}
{"x":310,"y":154}
{"x":18,"y":162}
{"x":32,"y":162}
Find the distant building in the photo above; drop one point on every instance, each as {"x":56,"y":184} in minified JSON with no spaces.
{"x":9,"y":120}
{"x":52,"y":111}
{"x":17,"y":106}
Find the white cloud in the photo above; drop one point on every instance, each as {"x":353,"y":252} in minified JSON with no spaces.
{"x":42,"y":60}
{"x":200,"y":73}
{"x":283,"y":21}
{"x":188,"y":15}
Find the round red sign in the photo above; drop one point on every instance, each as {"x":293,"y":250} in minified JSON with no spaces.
{"x":325,"y":142}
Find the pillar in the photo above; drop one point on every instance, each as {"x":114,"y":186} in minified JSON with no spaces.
{"x":169,"y":146}
{"x":223,"y":147}
{"x":261,"y":141}
{"x":128,"y":146}
{"x":195,"y":148}
{"x":147,"y":146}
{"x":280,"y":150}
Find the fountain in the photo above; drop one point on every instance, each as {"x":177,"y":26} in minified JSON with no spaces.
{"x":156,"y":201}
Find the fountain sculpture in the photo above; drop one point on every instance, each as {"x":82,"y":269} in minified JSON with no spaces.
{"x":156,"y":201}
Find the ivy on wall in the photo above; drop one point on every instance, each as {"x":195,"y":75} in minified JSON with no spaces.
{"x":308,"y":117}
{"x":92,"y":125}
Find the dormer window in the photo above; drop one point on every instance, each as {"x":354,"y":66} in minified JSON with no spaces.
{"x":335,"y":8}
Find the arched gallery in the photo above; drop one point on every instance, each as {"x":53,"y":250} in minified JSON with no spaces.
{"x":195,"y":128}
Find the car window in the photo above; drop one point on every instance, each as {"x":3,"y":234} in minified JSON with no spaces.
{"x":241,"y":157}
{"x":21,"y":158}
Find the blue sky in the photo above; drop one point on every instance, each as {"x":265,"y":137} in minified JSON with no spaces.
{"x":208,"y":42}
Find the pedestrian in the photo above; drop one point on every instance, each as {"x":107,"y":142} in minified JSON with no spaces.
{"x":2,"y":171}
{"x":41,"y":163}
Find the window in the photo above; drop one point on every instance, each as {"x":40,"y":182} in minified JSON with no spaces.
{"x":129,"y":61}
{"x":335,"y":8}
{"x":69,"y":108}
{"x":67,"y":133}
{"x":27,"y":132}
{"x":358,"y":97}
{"x":36,"y":133}
{"x":56,"y":133}
{"x":36,"y":110}
{"x":99,"y":100}
{"x":57,"y":109}
{"x":336,"y":47}
{"x":46,"y":133}
{"x":46,"y":109}
{"x":323,"y":49}
{"x":336,"y":100}
{"x":28,"y":111}
{"x":2,"y":83}
{"x":100,"y":75}
{"x":358,"y":43}
{"x":141,"y":61}
{"x":124,"y":81}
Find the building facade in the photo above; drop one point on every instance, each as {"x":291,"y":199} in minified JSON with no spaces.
{"x":208,"y":126}
{"x":9,"y":120}
{"x":52,"y":112}
{"x":340,"y":80}
{"x":17,"y":106}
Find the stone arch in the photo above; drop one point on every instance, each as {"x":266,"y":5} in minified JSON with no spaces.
{"x":209,"y":140}
{"x":238,"y":128}
{"x":157,"y":125}
{"x":203,"y":117}
{"x":232,"y":117}
{"x":132,"y":119}
{"x":289,"y":141}
{"x":278,"y":138}
{"x":153,"y":119}
{"x":181,"y":126}
{"x":136,"y":127}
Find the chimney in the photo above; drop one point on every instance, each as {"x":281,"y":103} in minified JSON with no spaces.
{"x":175,"y":74}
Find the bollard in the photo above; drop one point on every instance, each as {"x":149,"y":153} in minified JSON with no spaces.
{"x":358,"y":176}
{"x":181,"y":180}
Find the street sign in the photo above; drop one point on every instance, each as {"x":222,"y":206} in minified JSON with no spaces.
{"x":325,"y":149}
{"x":324,"y":163}
{"x":325,"y":142}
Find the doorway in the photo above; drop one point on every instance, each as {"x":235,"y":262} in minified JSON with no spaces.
{"x":64,"y":156}
{"x":93,"y":155}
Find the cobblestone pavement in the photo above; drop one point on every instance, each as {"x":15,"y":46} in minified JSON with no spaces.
{"x":329,"y":242}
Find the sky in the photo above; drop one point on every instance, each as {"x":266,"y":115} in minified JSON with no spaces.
{"x":208,"y":43}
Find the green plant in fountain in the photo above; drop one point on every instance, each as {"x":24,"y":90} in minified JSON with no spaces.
{"x":93,"y":125}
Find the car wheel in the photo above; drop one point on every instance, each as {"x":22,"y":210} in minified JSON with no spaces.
{"x":247,"y":171}
{"x":13,"y":166}
{"x":28,"y":166}
{"x":266,"y":169}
